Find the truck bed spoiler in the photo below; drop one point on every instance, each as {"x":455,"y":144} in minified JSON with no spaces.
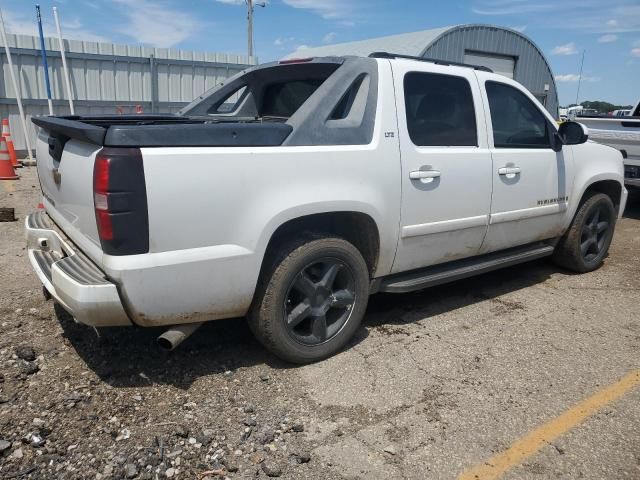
{"x":162,"y":131}
{"x":72,"y":129}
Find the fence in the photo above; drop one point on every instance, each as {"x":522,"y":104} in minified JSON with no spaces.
{"x":107,"y":78}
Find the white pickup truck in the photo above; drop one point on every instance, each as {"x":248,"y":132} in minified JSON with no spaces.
{"x":296,"y":189}
{"x":622,"y":133}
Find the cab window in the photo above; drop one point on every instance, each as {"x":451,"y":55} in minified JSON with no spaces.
{"x":517,"y":122}
{"x":440,"y":110}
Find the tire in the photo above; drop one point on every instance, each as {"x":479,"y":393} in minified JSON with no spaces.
{"x":303,"y":282}
{"x":593,"y":228}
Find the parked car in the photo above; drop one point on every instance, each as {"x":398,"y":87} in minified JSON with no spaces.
{"x":622,"y":133}
{"x":620,"y":113}
{"x":321,"y":182}
{"x":588,"y":112}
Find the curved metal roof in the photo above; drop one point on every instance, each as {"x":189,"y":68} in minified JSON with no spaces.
{"x":406,"y":44}
{"x":451,"y":44}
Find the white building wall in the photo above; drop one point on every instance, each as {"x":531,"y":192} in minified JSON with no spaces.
{"x":107,"y":78}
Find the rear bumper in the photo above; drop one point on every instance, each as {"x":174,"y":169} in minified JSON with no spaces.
{"x":71,"y":278}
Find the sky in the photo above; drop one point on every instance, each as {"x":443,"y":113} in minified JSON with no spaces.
{"x":607,"y":30}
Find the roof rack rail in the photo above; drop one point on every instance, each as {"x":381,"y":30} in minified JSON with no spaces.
{"x":430,"y":60}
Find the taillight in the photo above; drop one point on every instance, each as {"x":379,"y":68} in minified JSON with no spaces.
{"x":101,"y":196}
{"x":101,"y":173}
{"x":120,"y":201}
{"x":105,"y":227}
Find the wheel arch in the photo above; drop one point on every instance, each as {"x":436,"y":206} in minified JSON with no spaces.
{"x":356,"y":227}
{"x":611,"y":188}
{"x":607,"y":183}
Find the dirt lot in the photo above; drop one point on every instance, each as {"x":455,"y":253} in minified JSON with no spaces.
{"x":436,"y":383}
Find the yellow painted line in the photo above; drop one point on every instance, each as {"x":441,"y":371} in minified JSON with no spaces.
{"x":504,"y":461}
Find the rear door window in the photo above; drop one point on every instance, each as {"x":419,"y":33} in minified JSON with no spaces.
{"x":440,"y":111}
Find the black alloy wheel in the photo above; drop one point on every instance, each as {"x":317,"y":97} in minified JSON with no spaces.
{"x":585,"y":245}
{"x":595,"y":233}
{"x":319,"y":301}
{"x":311,"y":297}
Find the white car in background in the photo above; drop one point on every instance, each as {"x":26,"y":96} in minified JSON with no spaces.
{"x":621,"y":113}
{"x":622,"y":133}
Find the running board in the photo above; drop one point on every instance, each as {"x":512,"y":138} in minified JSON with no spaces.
{"x":459,"y":269}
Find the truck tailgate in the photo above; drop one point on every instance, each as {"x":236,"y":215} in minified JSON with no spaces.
{"x":65,"y":170}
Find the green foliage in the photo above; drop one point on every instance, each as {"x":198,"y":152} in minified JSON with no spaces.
{"x":604,"y":107}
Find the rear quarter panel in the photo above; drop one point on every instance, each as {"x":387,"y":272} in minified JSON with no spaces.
{"x":212,"y":212}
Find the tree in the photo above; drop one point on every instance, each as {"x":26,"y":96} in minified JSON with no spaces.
{"x":604,"y":107}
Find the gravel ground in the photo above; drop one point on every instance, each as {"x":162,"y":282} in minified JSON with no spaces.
{"x":434,"y":383}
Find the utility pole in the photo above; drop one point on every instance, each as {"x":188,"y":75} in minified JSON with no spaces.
{"x":250,"y":7}
{"x":16,"y":90}
{"x":580,"y":77}
{"x":250,"y":27}
{"x":45,"y":67}
{"x":64,"y":61}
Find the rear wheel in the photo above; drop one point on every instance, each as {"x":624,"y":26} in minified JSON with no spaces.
{"x":311,"y":299}
{"x":585,"y":246}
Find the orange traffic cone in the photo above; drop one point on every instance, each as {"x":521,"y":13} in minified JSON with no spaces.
{"x":6,"y":170}
{"x":12,"y":152}
{"x":7,"y":136}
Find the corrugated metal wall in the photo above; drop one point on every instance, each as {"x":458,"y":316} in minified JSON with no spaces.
{"x":107,"y":78}
{"x":532,"y":69}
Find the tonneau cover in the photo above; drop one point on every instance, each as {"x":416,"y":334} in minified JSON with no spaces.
{"x":198,"y":135}
{"x":166,"y":131}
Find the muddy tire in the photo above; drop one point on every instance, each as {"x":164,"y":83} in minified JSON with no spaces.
{"x":310,"y":298}
{"x":586,"y":244}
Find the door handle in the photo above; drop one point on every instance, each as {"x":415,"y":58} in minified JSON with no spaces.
{"x":509,"y":170}
{"x":424,"y":174}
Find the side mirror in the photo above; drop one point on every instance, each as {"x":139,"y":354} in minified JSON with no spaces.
{"x":573,"y":133}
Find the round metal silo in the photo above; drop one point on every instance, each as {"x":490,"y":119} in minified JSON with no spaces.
{"x":505,"y":51}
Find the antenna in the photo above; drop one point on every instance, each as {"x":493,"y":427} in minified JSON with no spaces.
{"x":580,"y":77}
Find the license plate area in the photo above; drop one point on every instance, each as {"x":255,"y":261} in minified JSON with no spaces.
{"x":56,"y":144}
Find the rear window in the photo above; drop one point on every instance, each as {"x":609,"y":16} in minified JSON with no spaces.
{"x":232,"y":102}
{"x":274,"y":92}
{"x":285,"y":98}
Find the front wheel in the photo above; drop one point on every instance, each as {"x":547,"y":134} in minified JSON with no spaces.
{"x":585,"y":246}
{"x":310,"y":299}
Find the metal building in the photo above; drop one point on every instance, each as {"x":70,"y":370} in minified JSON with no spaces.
{"x":107,"y":78}
{"x":504,"y":50}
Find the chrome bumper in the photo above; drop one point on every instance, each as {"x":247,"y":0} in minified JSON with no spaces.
{"x":71,"y":278}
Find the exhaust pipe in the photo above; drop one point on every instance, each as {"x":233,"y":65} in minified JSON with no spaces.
{"x":177,"y":334}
